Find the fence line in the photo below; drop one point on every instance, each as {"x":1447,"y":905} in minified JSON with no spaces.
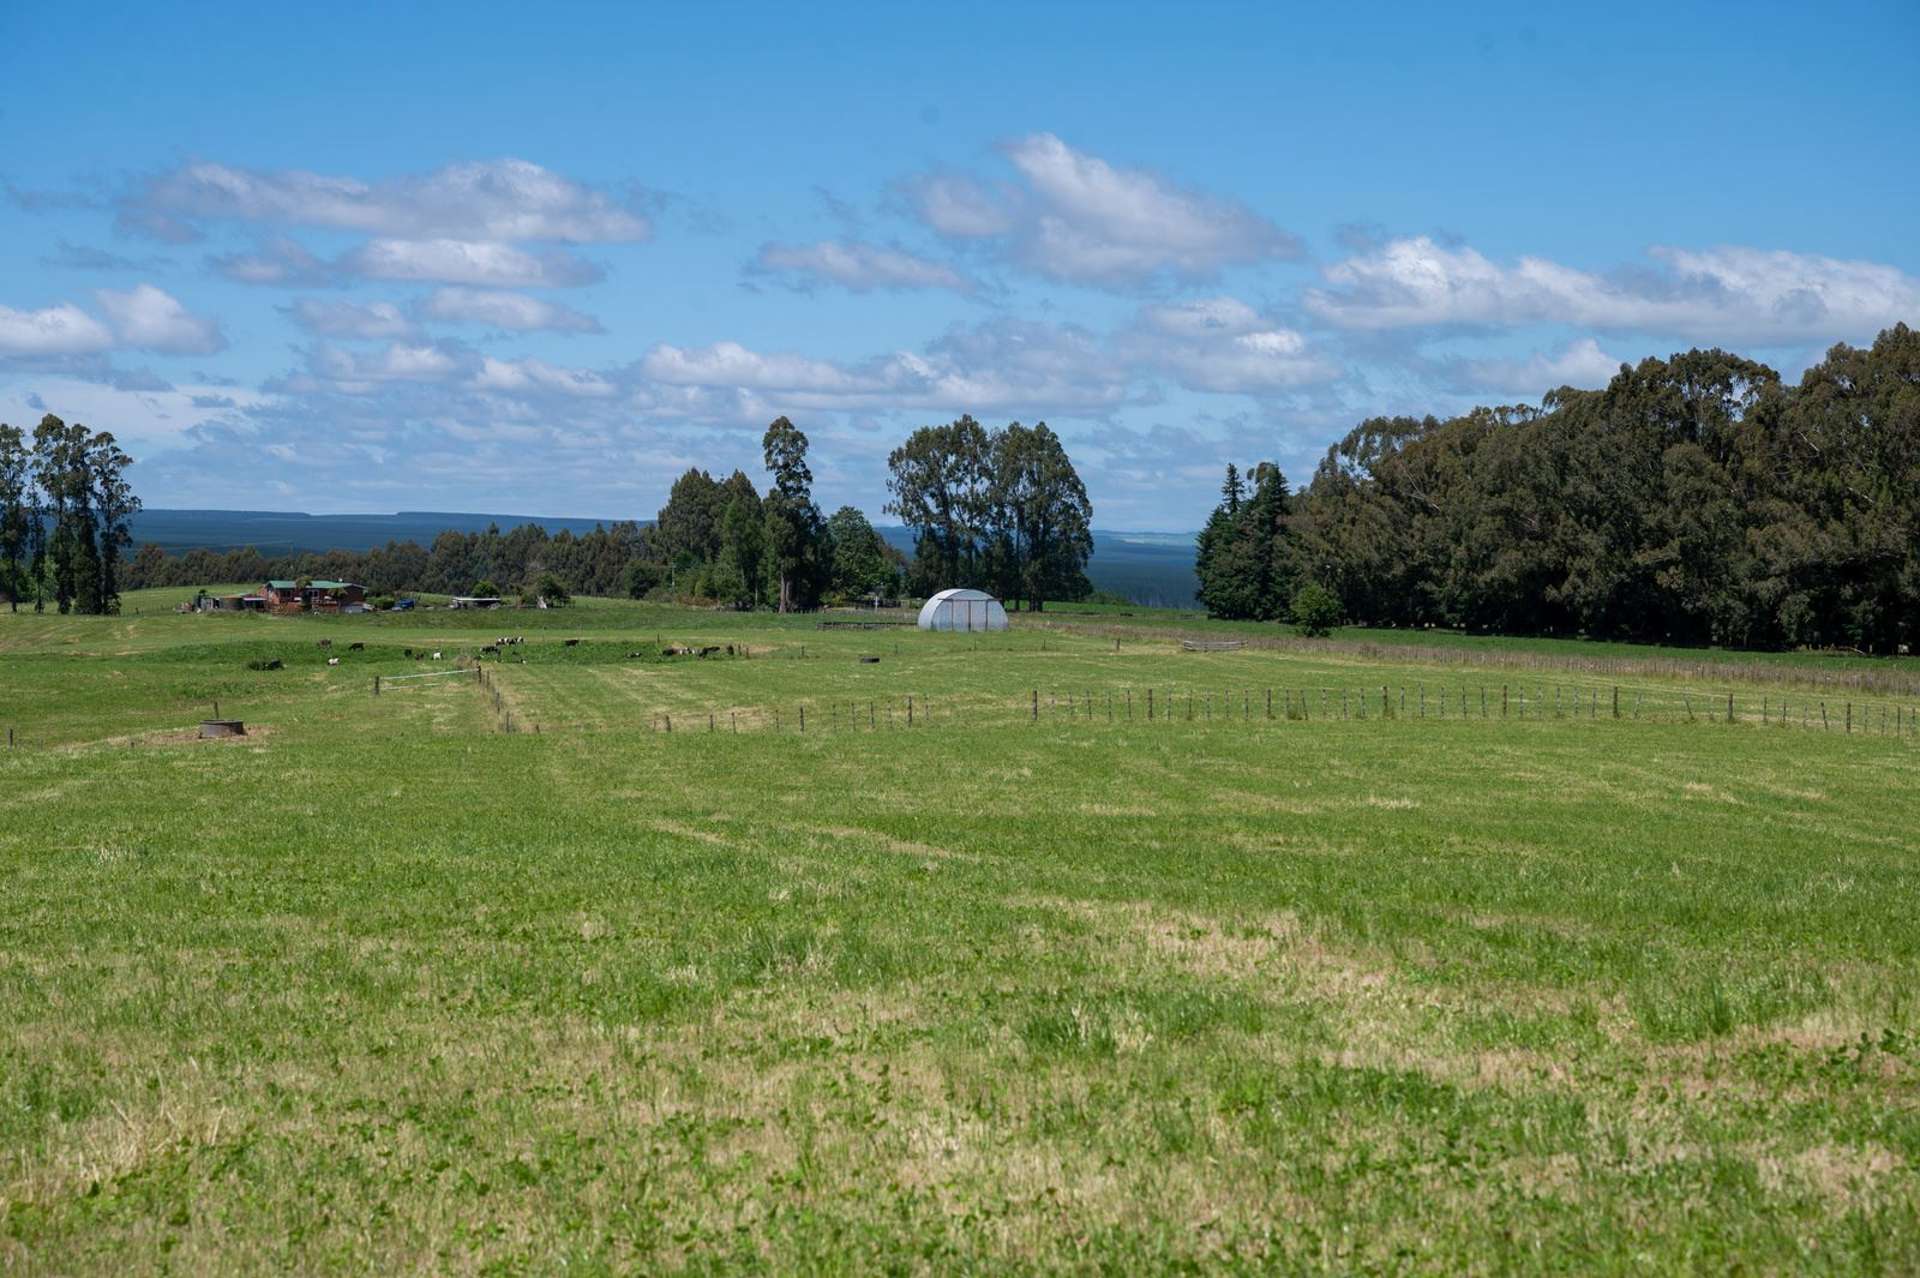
{"x":1886,"y":683}
{"x":1306,"y":702}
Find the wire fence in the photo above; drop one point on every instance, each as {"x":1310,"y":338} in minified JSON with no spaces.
{"x":1887,"y":679}
{"x":1166,"y":705}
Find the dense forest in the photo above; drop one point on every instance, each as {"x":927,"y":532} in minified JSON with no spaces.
{"x":1694,"y":500}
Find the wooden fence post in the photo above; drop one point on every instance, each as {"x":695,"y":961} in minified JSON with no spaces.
{"x":1849,"y":717}
{"x":909,"y":709}
{"x":803,"y":716}
{"x":1036,"y":705}
{"x":376,"y":685}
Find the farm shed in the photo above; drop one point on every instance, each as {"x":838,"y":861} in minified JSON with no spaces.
{"x":316,"y":595}
{"x":963,"y":610}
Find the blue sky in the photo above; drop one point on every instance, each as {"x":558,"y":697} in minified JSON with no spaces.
{"x":541,"y":258}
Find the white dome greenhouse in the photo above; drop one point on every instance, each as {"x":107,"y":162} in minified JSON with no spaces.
{"x":963,"y":610}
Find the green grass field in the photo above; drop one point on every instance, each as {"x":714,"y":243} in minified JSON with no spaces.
{"x":1031,"y":985}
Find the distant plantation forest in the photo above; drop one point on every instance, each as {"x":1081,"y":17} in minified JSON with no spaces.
{"x":1695,"y":500}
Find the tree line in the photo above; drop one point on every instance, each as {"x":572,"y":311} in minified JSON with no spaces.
{"x":1003,"y":510}
{"x":66,"y":512}
{"x":1694,"y":500}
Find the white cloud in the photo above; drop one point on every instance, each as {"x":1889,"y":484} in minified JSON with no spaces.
{"x":55,"y":330}
{"x":1078,"y":219}
{"x":356,"y":372}
{"x":1717,"y":295}
{"x":1221,"y":344}
{"x":374,"y":320}
{"x":467,"y":262}
{"x":858,"y":267}
{"x":143,"y":420}
{"x":1024,"y":368}
{"x":955,"y":205}
{"x":514,"y":311}
{"x":276,"y":261}
{"x":733,"y":366}
{"x":526,"y":375}
{"x":1580,"y":364}
{"x":1204,"y":317}
{"x":152,"y":319}
{"x":491,"y":200}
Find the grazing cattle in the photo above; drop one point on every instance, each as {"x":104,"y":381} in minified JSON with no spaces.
{"x":333,"y":661}
{"x":356,"y":647}
{"x":436,"y":654}
{"x":573,"y":643}
{"x":490,"y":651}
{"x":326,"y":643}
{"x":407,"y":653}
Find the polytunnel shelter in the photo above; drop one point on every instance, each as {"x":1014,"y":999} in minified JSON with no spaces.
{"x":963,"y":610}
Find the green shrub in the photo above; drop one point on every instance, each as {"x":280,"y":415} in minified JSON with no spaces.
{"x":1315,"y":610}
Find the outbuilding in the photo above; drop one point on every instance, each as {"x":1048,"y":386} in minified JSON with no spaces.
{"x":961,"y":609}
{"x":312,"y":596}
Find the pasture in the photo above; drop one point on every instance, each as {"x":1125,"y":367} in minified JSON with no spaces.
{"x":495,"y":974}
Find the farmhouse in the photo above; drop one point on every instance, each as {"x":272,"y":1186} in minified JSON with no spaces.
{"x":963,"y":610}
{"x":314,"y":596}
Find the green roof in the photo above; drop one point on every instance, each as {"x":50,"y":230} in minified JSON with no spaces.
{"x":312,"y":585}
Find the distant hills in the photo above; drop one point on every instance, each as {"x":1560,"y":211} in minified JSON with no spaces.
{"x":1146,"y":567}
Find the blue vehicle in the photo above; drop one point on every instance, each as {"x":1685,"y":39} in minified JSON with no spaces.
{"x":403,"y":605}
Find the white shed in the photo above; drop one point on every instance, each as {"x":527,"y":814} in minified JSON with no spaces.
{"x":963,"y":610}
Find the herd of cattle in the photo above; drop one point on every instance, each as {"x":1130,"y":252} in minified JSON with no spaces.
{"x":495,"y":649}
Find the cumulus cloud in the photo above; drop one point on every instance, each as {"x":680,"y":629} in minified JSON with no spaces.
{"x":1221,"y":344}
{"x":55,"y":330}
{"x":1580,"y":364}
{"x":154,"y":320}
{"x":373,"y":321}
{"x":515,"y":311}
{"x":1724,"y":294}
{"x":857,"y":267}
{"x":1019,"y":366}
{"x":1015,"y":366}
{"x":520,"y":376}
{"x":467,"y":262}
{"x":958,"y":206}
{"x":501,"y":200}
{"x":1076,"y":218}
{"x":357,"y":372}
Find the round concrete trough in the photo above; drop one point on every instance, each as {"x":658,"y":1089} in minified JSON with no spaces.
{"x":222,"y":728}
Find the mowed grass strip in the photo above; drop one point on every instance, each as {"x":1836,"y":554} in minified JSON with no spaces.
{"x":383,"y":987}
